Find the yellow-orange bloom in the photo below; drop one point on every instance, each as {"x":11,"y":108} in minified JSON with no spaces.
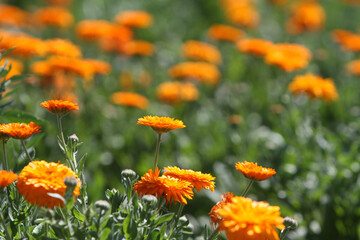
{"x":136,"y":47}
{"x":6,"y":178}
{"x":241,"y":12}
{"x":171,"y":188}
{"x":196,"y":50}
{"x":20,"y":130}
{"x":214,"y":217}
{"x":243,"y":218}
{"x":137,"y":19}
{"x":306,"y":15}
{"x":17,"y":67}
{"x":289,"y":57}
{"x":255,"y":46}
{"x":200,"y":71}
{"x":197,"y":179}
{"x":59,"y":106}
{"x":219,"y":32}
{"x":63,"y":47}
{"x":253,"y":171}
{"x":53,"y":16}
{"x":130,"y":99}
{"x":314,"y":86}
{"x":161,"y":124}
{"x":175,"y":92}
{"x":12,"y":16}
{"x":353,"y":67}
{"x":348,"y":40}
{"x":39,"y":178}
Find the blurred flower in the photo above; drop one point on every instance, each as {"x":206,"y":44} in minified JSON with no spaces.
{"x":352,"y":2}
{"x":126,"y":80}
{"x":136,"y":47}
{"x":197,"y":179}
{"x":20,"y":130}
{"x":6,"y":178}
{"x":98,"y":66}
{"x":171,"y":188}
{"x":353,"y":67}
{"x":253,"y":171}
{"x":161,"y":124}
{"x":219,"y":32}
{"x":59,"y":2}
{"x":241,"y":12}
{"x":314,"y":86}
{"x":145,"y":78}
{"x":235,"y":119}
{"x":63,"y":47}
{"x":278,"y":1}
{"x":59,"y":106}
{"x":243,"y":218}
{"x":13,"y":16}
{"x":306,"y":15}
{"x":196,"y":50}
{"x":17,"y":67}
{"x":214,"y":217}
{"x":130,"y":99}
{"x":175,"y":92}
{"x":277,"y":108}
{"x":53,"y":16}
{"x":39,"y":178}
{"x":200,"y":71}
{"x":348,"y":40}
{"x":255,"y":46}
{"x":137,"y":19}
{"x":289,"y":57}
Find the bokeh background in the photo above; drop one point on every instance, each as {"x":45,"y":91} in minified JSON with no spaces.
{"x":249,"y":114}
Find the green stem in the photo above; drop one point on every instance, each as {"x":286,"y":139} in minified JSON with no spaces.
{"x":5,"y":164}
{"x":157,"y":151}
{"x":283,"y":233}
{"x":5,"y":227}
{"x":248,"y":188}
{"x":98,"y":223}
{"x":214,"y":234}
{"x":60,"y":132}
{"x":177,"y":217}
{"x":25,"y":150}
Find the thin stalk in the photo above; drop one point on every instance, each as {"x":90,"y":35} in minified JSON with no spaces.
{"x":25,"y":150}
{"x":5,"y":227}
{"x":157,"y":151}
{"x":283,"y":233}
{"x":248,"y":188}
{"x":177,"y":217}
{"x":5,"y":164}
{"x":60,"y":132}
{"x":214,"y":234}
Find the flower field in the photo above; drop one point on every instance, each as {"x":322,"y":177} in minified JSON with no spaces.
{"x":208,"y":119}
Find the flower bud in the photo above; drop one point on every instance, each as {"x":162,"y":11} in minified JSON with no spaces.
{"x":71,"y":183}
{"x":149,"y":199}
{"x":128,"y":173}
{"x":290,"y":223}
{"x":102,"y":205}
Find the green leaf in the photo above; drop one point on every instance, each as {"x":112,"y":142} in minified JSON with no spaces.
{"x":129,"y":227}
{"x":81,"y":164}
{"x":20,"y":116}
{"x":39,"y":230}
{"x":163,"y":218}
{"x":105,"y":233}
{"x":78,"y":215}
{"x":155,"y":234}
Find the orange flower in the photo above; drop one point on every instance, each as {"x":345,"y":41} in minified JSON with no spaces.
{"x":126,"y":80}
{"x":6,"y":178}
{"x":241,"y":12}
{"x":214,"y":217}
{"x":348,"y":40}
{"x":255,"y":46}
{"x":253,"y":171}
{"x":59,"y":2}
{"x":161,"y":124}
{"x":53,"y":16}
{"x":353,"y":67}
{"x":63,"y":47}
{"x":145,"y":78}
{"x":314,"y":86}
{"x":171,"y":188}
{"x":130,"y":99}
{"x":137,"y":19}
{"x":243,"y":218}
{"x":306,"y":15}
{"x":17,"y":67}
{"x":289,"y":57}
{"x":219,"y":32}
{"x":98,"y":66}
{"x":21,"y":130}
{"x":12,"y":16}
{"x":136,"y":47}
{"x":59,"y":106}
{"x":200,"y":71}
{"x":39,"y":178}
{"x":197,"y":179}
{"x":197,"y":50}
{"x":175,"y":92}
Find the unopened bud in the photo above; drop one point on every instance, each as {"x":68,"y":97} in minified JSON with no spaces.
{"x":290,"y":223}
{"x":128,"y":173}
{"x":102,"y":205}
{"x":71,"y":183}
{"x":149,"y":199}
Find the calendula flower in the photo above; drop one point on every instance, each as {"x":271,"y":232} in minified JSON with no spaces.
{"x":40,"y":178}
{"x":176,"y":92}
{"x":314,"y":86}
{"x":255,"y":46}
{"x":13,"y":16}
{"x":200,"y":71}
{"x":243,"y":218}
{"x":130,"y":99}
{"x":21,"y":130}
{"x":289,"y":57}
{"x":253,"y":171}
{"x":241,"y":12}
{"x":196,"y":50}
{"x":53,"y":16}
{"x":161,"y":124}
{"x":171,"y":189}
{"x":6,"y":178}
{"x":17,"y":67}
{"x":63,"y":47}
{"x":136,"y":47}
{"x":59,"y":106}
{"x":219,"y":32}
{"x":145,"y":78}
{"x":196,"y":178}
{"x":306,"y":15}
{"x":348,"y":40}
{"x":353,"y":67}
{"x":136,"y":19}
{"x":214,"y":217}
{"x":98,"y":66}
